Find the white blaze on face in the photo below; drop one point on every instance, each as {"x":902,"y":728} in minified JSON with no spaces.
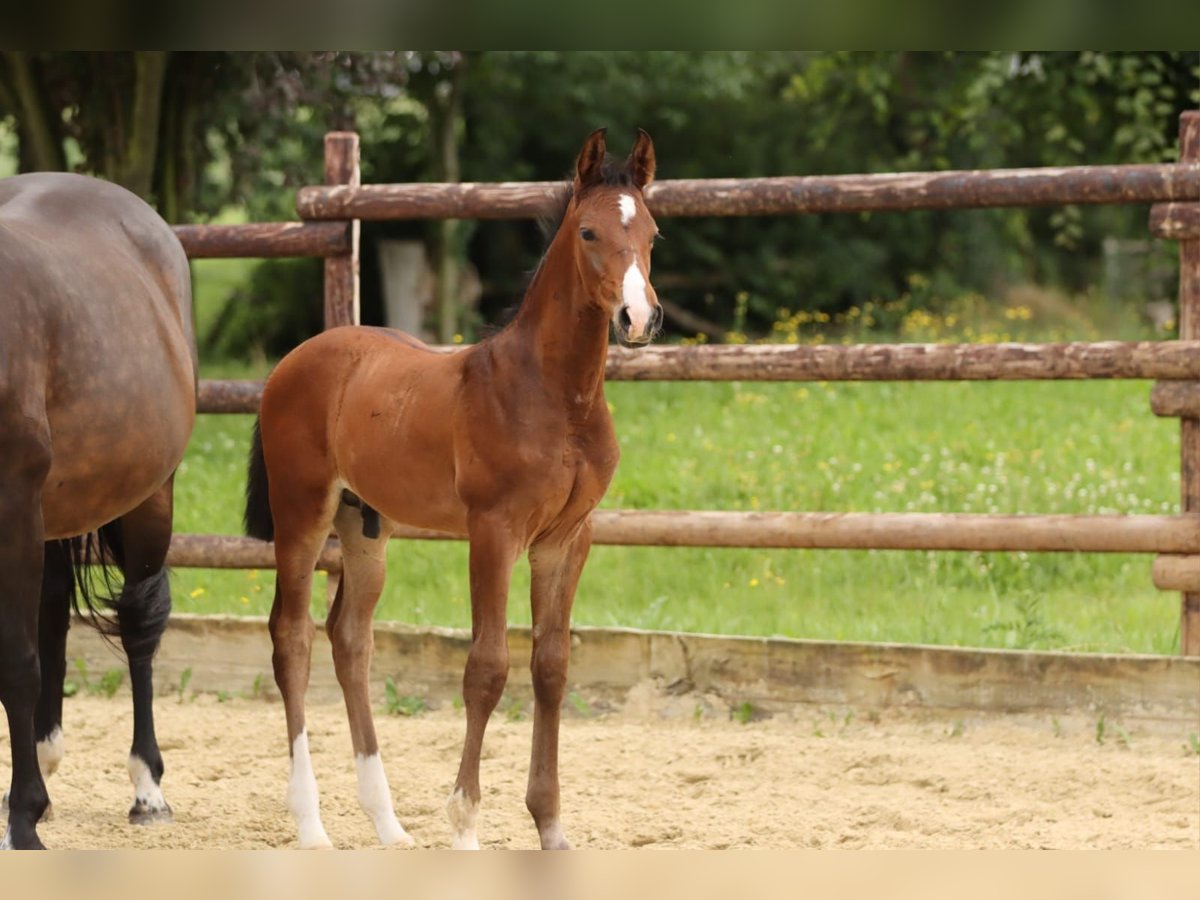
{"x":635,"y":301}
{"x":628,"y":208}
{"x":50,"y":752}
{"x":303,"y":798}
{"x":376,"y":801}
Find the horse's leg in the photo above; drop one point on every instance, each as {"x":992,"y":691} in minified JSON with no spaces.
{"x":364,"y":562}
{"x":53,"y":621}
{"x":302,"y":522}
{"x":142,"y":612}
{"x":493,"y":553}
{"x":555,"y":570}
{"x":24,"y":461}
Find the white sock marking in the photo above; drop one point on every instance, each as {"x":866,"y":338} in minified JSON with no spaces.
{"x":50,"y":752}
{"x":146,"y":792}
{"x":553,"y":837}
{"x":633,"y":293}
{"x":376,"y":800}
{"x":628,"y":208}
{"x":462,"y":815}
{"x":303,"y":799}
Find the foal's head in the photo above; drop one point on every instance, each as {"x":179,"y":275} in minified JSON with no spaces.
{"x":611,"y":233}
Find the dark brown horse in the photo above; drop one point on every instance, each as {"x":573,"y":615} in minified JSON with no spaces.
{"x":97,"y":399}
{"x":509,"y":443}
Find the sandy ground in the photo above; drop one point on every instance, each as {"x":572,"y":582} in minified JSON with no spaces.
{"x":657,"y":772}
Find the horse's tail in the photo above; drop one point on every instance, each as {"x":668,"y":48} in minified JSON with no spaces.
{"x":259,"y":522}
{"x":137,"y":612}
{"x":92,"y":561}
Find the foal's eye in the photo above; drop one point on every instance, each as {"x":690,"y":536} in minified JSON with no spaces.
{"x":587,"y":234}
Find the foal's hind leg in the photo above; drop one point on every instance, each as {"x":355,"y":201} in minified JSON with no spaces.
{"x":302,"y":522}
{"x":493,"y":552}
{"x":24,"y":461}
{"x":142,"y":612}
{"x":555,"y":570}
{"x":364,"y":561}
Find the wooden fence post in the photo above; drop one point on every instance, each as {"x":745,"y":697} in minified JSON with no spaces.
{"x":341,"y":272}
{"x":1189,"y":329}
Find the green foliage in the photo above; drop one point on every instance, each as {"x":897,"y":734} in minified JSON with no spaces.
{"x":281,"y":305}
{"x":580,"y":704}
{"x":718,"y":114}
{"x":398,"y":704}
{"x":106,"y":685}
{"x":185,"y":678}
{"x":745,"y":713}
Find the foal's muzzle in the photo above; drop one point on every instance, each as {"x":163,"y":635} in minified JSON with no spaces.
{"x":623,"y":323}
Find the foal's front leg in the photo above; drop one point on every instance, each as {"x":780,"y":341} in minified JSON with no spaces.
{"x":493,"y":553}
{"x":555,"y":570}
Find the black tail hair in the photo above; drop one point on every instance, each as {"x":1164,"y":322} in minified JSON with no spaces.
{"x":259,"y":522}
{"x":137,"y":613}
{"x":94,"y":560}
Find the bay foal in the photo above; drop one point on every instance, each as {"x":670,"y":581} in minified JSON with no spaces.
{"x":509,"y":443}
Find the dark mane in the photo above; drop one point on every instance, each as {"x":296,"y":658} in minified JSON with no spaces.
{"x":612,"y":174}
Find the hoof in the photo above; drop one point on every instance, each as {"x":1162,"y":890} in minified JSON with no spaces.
{"x":404,"y":842}
{"x":143,"y":814}
{"x":552,"y":838}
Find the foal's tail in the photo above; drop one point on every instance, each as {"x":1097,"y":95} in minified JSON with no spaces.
{"x":259,"y":522}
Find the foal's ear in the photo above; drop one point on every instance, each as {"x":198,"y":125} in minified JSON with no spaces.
{"x":640,"y":164}
{"x":591,"y":160}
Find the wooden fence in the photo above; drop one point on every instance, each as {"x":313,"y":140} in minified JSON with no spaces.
{"x":330,"y":229}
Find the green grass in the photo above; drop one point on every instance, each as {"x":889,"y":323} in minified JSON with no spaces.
{"x":1068,"y":447}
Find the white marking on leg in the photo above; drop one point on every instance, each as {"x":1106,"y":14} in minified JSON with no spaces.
{"x":376,"y":801}
{"x":552,"y":836}
{"x":50,"y":752}
{"x":463,"y":814}
{"x":628,"y":208}
{"x":147,"y":795}
{"x":303,"y":799}
{"x":636,"y":304}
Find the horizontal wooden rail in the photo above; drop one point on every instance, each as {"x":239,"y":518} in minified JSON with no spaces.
{"x":213,"y":551}
{"x":1173,"y":572}
{"x":229,"y":396}
{"x":774,"y":196}
{"x":265,"y":239}
{"x":1176,"y":399}
{"x":1166,"y":360}
{"x":812,"y":530}
{"x":1175,"y":221}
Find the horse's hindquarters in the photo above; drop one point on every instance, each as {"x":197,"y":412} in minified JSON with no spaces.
{"x":112,"y":452}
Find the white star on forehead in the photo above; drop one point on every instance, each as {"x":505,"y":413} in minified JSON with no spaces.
{"x":628,"y":208}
